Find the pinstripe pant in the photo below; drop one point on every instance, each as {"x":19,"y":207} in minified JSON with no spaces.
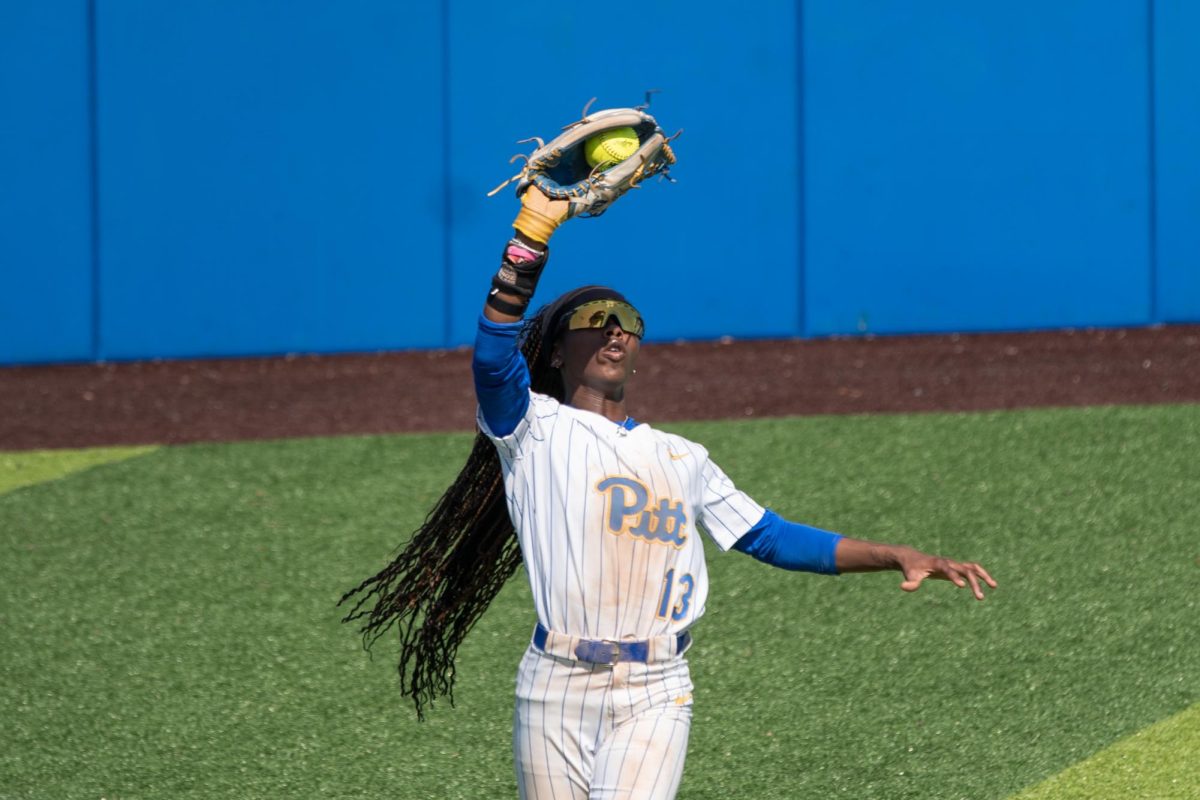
{"x":593,"y":732}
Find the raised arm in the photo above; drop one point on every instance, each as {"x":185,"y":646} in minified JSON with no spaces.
{"x":501,"y":374}
{"x":524,"y":257}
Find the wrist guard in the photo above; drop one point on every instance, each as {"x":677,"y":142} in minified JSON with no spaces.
{"x":516,"y":277}
{"x":535,"y":224}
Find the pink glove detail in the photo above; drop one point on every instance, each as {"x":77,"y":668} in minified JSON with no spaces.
{"x":519,"y":254}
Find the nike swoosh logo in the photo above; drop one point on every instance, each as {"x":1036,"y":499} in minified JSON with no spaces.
{"x":677,"y":456}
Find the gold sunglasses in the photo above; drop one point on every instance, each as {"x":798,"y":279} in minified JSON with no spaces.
{"x":597,"y":313}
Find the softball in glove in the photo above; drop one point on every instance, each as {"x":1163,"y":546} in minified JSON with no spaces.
{"x":559,"y":170}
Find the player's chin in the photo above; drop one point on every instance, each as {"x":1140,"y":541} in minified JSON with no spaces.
{"x":610,"y":378}
{"x":614,"y":371}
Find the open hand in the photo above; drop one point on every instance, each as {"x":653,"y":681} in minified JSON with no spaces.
{"x":918,"y":566}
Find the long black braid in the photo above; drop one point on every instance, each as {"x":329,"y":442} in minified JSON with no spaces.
{"x":440,"y":584}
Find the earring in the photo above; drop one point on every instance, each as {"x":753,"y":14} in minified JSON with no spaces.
{"x":635,"y":372}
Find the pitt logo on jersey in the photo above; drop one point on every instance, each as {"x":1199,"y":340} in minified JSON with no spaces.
{"x":629,"y":510}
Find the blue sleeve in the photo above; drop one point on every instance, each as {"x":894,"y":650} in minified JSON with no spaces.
{"x":790,"y":545}
{"x":501,"y":375}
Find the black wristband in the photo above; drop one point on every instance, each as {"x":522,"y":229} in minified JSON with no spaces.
{"x":520,"y":277}
{"x":504,"y":307}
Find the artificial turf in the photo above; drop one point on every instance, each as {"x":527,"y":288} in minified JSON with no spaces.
{"x":167,"y":623}
{"x":27,"y":468}
{"x":1160,"y":762}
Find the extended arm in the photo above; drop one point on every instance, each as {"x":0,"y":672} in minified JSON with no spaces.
{"x":857,"y":555}
{"x":789,"y":545}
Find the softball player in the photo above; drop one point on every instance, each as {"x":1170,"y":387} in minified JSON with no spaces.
{"x":606,"y":514}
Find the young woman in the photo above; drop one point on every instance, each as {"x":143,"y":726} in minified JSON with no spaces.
{"x":606,"y":513}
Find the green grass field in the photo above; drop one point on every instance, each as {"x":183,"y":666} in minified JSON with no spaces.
{"x":168,"y":628}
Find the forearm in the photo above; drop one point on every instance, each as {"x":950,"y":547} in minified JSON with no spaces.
{"x":494,"y":315}
{"x":512,"y":299}
{"x":859,"y":555}
{"x":523,"y":260}
{"x":501,"y":374}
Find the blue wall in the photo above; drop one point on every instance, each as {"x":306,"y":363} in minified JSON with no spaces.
{"x":240,"y":177}
{"x":261,"y":183}
{"x":46,"y":289}
{"x":668,"y":247}
{"x":1177,"y":155}
{"x":993,"y":175}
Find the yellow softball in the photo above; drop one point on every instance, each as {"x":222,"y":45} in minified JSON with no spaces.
{"x":606,"y":149}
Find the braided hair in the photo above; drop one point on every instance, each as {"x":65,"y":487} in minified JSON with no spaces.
{"x":455,"y":564}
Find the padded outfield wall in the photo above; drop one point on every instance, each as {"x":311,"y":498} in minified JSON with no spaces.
{"x":233,"y":178}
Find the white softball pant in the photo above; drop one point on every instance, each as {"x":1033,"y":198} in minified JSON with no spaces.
{"x":586,"y":731}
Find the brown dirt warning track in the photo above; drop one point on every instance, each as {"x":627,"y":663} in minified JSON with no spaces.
{"x":262,"y":398}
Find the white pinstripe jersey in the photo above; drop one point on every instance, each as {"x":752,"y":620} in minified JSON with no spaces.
{"x":607,"y":519}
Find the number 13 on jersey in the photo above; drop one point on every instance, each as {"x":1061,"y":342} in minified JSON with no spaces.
{"x":685,"y":585}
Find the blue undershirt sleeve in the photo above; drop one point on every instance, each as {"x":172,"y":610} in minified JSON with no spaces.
{"x":501,"y":375}
{"x":790,"y":545}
